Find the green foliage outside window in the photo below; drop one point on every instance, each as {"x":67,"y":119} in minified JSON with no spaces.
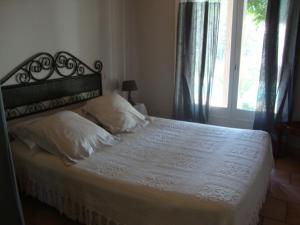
{"x":258,"y":9}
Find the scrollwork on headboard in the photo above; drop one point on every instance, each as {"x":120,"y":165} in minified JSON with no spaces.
{"x":44,"y":82}
{"x":42,"y":66}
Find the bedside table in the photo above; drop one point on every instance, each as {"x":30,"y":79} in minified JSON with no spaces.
{"x":141,"y":108}
{"x":292,"y":128}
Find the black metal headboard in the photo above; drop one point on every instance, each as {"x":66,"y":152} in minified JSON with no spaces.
{"x":44,"y":82}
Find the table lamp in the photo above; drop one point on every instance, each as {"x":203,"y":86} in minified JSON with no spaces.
{"x":129,"y":85}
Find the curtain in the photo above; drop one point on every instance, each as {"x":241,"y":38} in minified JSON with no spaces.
{"x":197,"y":39}
{"x":275,"y":99}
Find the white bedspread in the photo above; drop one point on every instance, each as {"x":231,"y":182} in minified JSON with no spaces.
{"x":169,"y":173}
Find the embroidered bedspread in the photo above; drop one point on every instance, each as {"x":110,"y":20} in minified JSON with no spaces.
{"x":168,"y":173}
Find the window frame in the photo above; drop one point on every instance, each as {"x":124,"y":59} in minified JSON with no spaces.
{"x":232,"y":116}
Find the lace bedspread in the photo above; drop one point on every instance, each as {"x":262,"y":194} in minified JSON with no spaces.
{"x":168,"y":173}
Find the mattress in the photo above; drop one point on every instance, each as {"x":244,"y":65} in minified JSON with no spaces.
{"x":168,"y":173}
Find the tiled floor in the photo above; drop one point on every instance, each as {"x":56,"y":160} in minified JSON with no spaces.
{"x":282,"y":206}
{"x":37,"y":213}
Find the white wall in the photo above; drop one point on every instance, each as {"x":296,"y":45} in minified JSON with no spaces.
{"x":131,"y":57}
{"x":150,"y":52}
{"x":135,"y":39}
{"x":90,"y":29}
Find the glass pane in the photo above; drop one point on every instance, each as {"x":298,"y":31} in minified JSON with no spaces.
{"x":251,"y":53}
{"x":219,"y":94}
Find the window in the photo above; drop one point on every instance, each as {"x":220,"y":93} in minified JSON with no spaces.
{"x":219,"y":95}
{"x":254,"y":14}
{"x":237,"y":68}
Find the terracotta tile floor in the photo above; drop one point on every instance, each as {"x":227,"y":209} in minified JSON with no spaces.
{"x":282,"y":206}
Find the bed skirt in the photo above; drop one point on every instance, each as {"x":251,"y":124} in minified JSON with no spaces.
{"x":76,"y":211}
{"x":82,"y":213}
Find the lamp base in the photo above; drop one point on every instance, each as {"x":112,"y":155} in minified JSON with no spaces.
{"x":130,"y":99}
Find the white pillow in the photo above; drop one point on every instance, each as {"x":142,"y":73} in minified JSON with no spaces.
{"x":114,"y":113}
{"x":85,"y":115}
{"x":17,"y":132}
{"x":22,"y":135}
{"x":67,"y":135}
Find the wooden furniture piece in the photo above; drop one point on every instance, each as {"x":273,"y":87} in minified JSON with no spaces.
{"x":11,"y":209}
{"x":291,"y":128}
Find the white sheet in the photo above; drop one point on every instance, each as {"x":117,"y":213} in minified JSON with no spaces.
{"x":169,"y":173}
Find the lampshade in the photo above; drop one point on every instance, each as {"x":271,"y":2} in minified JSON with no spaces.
{"x":129,"y":85}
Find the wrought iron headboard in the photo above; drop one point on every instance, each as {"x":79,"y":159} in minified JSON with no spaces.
{"x":43,"y":82}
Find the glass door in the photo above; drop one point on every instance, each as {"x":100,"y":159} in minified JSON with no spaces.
{"x":237,"y":70}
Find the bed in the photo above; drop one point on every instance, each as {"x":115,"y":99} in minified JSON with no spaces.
{"x":169,"y":172}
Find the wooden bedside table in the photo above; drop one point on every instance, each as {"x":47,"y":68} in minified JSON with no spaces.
{"x":292,"y":128}
{"x":141,"y":108}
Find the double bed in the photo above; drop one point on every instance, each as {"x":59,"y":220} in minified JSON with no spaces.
{"x":167,"y":173}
